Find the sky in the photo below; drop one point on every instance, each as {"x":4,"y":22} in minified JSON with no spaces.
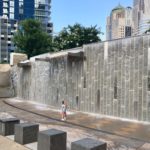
{"x":86,"y":12}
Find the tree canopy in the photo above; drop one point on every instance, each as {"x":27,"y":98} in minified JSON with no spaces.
{"x":76,"y":36}
{"x":31,"y":39}
{"x":148,"y":30}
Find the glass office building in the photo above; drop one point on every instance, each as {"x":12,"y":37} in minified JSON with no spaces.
{"x":42,"y":12}
{"x":13,"y":11}
{"x":26,"y":9}
{"x":37,"y":9}
{"x":9,"y":9}
{"x":23,"y":9}
{"x":141,"y":16}
{"x":7,"y":29}
{"x":9,"y":14}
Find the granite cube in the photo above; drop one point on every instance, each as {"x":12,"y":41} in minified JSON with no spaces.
{"x":7,"y":126}
{"x":26,"y":133}
{"x":88,"y":144}
{"x":52,"y":139}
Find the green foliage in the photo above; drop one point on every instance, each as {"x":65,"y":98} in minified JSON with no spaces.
{"x":4,"y":62}
{"x":76,"y":36}
{"x":31,"y":39}
{"x":147,"y":31}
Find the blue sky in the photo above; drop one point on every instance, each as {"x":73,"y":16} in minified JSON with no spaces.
{"x":85,"y":12}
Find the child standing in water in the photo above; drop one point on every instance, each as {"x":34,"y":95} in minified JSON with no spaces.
{"x":63,"y":111}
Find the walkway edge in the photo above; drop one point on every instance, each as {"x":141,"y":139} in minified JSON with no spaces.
{"x":74,"y":124}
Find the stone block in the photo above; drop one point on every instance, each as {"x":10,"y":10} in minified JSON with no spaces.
{"x":5,"y":75}
{"x":5,"y":81}
{"x":7,"y":126}
{"x":88,"y":144}
{"x":6,"y":92}
{"x":15,"y":58}
{"x":52,"y":139}
{"x":26,"y":133}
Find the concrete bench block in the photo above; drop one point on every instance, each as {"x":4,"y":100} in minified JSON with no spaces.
{"x":26,"y":133}
{"x":52,"y":139}
{"x":88,"y":144}
{"x":7,"y":126}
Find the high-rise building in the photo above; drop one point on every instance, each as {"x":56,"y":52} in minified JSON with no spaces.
{"x":7,"y":29}
{"x":42,"y":12}
{"x":23,"y":9}
{"x":26,"y":9}
{"x":13,"y":11}
{"x":9,"y":9}
{"x":119,"y":23}
{"x":141,"y":16}
{"x":9,"y":13}
{"x":37,"y":9}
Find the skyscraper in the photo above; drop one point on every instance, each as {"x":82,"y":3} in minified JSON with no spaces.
{"x":9,"y":9}
{"x":26,"y":9}
{"x":119,"y":23}
{"x":9,"y":12}
{"x":135,"y":2}
{"x":12,"y":11}
{"x":23,"y":9}
{"x":42,"y":12}
{"x":7,"y":29}
{"x":37,"y":9}
{"x":141,"y":16}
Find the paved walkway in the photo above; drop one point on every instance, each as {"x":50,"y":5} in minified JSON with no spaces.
{"x":134,"y":130}
{"x":7,"y":144}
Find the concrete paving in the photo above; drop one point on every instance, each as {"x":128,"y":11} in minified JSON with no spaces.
{"x":119,"y":134}
{"x":130,"y":129}
{"x":7,"y":144}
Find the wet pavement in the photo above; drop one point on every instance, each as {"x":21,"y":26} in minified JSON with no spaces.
{"x":119,"y":134}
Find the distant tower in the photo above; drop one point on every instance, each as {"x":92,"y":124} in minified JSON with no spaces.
{"x":119,"y":23}
{"x":141,"y":16}
{"x":135,"y":2}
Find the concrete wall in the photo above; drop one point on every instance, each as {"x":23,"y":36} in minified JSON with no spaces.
{"x":112,"y":80}
{"x":6,"y":88}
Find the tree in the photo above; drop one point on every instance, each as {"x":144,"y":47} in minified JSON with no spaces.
{"x":75,"y":36}
{"x":148,"y":30}
{"x":31,"y":39}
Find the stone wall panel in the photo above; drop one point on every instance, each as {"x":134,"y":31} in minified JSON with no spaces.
{"x":112,"y":80}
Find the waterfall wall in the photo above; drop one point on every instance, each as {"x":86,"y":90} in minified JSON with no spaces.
{"x":113,"y":78}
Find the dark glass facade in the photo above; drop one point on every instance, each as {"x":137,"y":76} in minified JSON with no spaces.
{"x":16,"y":7}
{"x":1,"y":7}
{"x":23,"y":9}
{"x":9,"y":9}
{"x":28,"y":9}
